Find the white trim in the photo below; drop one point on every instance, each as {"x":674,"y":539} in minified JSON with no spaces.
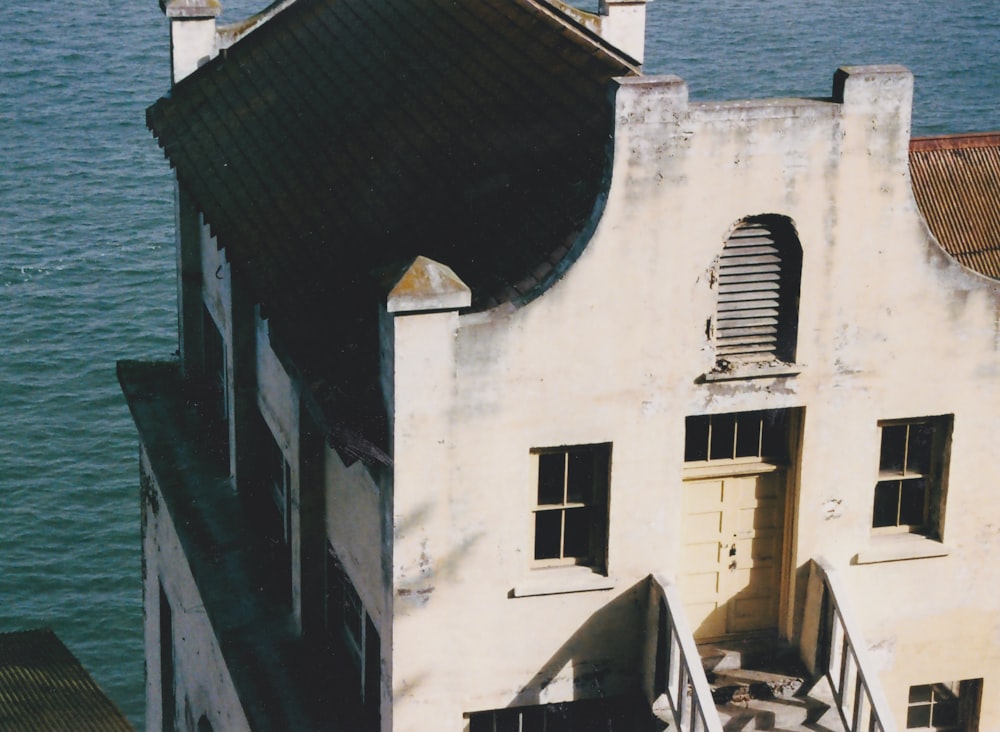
{"x":729,"y":468}
{"x":897,"y":547}
{"x":752,"y":370}
{"x":562,"y":580}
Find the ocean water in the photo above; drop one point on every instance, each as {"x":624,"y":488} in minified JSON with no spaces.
{"x":86,"y":261}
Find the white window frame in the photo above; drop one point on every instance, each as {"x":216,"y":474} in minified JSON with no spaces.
{"x":965,"y":694}
{"x":933,"y":476}
{"x":763,"y":441}
{"x":596,"y":504}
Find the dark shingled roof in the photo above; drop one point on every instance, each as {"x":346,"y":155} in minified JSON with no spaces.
{"x":956,"y":181}
{"x":342,"y":138}
{"x":43,"y":688}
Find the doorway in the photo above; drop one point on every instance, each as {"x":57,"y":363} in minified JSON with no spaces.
{"x":733,"y":504}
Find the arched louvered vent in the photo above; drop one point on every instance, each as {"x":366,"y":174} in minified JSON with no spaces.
{"x":759,"y":272}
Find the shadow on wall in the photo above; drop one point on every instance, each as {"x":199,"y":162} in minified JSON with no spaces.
{"x":416,"y":585}
{"x":602,"y":658}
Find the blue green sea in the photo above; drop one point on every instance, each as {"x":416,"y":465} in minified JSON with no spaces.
{"x":86,"y":260}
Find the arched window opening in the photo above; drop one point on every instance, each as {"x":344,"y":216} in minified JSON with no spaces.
{"x":758,"y":280}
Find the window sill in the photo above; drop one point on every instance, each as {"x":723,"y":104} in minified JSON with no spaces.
{"x":900,"y":547}
{"x":752,"y":371}
{"x":561,"y":580}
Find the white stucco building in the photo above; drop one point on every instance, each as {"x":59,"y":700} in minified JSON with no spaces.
{"x":508,"y":374}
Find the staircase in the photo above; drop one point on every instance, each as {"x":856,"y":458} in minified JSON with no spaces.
{"x":760,"y":684}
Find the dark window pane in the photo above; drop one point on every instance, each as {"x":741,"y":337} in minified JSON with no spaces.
{"x":947,"y":690}
{"x":548,"y":531}
{"x":533,"y":719}
{"x":774,"y":441}
{"x":945,"y":713}
{"x":723,"y":431}
{"x":334,"y":594}
{"x":577,"y":541}
{"x":921,"y":445}
{"x":353,"y":614}
{"x":886,"y":504}
{"x":602,"y":473}
{"x":911,"y":501}
{"x":920,"y":693}
{"x":507,"y":720}
{"x":893,"y":448}
{"x":551,"y":467}
{"x":748,"y":434}
{"x":918,"y":716}
{"x":696,"y":438}
{"x":586,"y":717}
{"x":580,"y":481}
{"x":482,"y":722}
{"x":558,"y":719}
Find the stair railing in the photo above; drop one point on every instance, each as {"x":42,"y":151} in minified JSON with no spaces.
{"x":678,"y":677}
{"x":841,"y":656}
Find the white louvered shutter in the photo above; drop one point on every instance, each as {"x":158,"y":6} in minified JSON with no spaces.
{"x":748,"y":318}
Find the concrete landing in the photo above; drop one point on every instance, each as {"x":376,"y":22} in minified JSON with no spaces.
{"x":760,"y":684}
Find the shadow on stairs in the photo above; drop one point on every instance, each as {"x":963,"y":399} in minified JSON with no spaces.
{"x":760,"y":684}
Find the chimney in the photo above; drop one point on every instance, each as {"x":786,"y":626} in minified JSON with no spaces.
{"x":623,"y":25}
{"x":192,"y":34}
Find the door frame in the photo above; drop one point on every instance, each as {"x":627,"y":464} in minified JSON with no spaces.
{"x":789,"y":534}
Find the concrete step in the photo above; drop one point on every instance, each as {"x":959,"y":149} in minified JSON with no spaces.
{"x":761,"y":685}
{"x":760,"y":652}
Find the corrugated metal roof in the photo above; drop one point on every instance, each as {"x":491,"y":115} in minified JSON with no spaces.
{"x":43,"y":688}
{"x":339,"y":140}
{"x":956,"y":181}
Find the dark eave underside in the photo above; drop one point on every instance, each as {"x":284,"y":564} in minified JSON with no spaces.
{"x":342,"y":138}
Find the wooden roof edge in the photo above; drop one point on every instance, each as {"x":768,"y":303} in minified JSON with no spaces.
{"x":958,"y":141}
{"x":555,"y":12}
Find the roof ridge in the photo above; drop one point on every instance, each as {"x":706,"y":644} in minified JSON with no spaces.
{"x":555,"y":12}
{"x":230,"y":33}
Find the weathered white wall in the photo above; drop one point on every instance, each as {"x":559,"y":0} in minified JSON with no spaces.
{"x":202,"y":685}
{"x":354,"y":527}
{"x":277,"y":395}
{"x":193,"y":38}
{"x":889,"y":327}
{"x":353,"y":504}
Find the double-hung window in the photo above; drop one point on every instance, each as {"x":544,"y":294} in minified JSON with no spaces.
{"x":951,"y":706}
{"x":215,"y":387}
{"x":350,"y":627}
{"x":571,"y":505}
{"x":278,"y":512}
{"x":909,"y":493}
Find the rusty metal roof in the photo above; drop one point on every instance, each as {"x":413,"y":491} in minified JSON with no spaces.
{"x":339,"y":140}
{"x":956,"y":181}
{"x":43,"y":687}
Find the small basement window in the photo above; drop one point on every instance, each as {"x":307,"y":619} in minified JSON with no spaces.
{"x":946,"y":706}
{"x":582,"y":715}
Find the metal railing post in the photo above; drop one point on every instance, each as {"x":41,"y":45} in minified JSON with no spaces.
{"x":855,"y":685}
{"x":686,"y":687}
